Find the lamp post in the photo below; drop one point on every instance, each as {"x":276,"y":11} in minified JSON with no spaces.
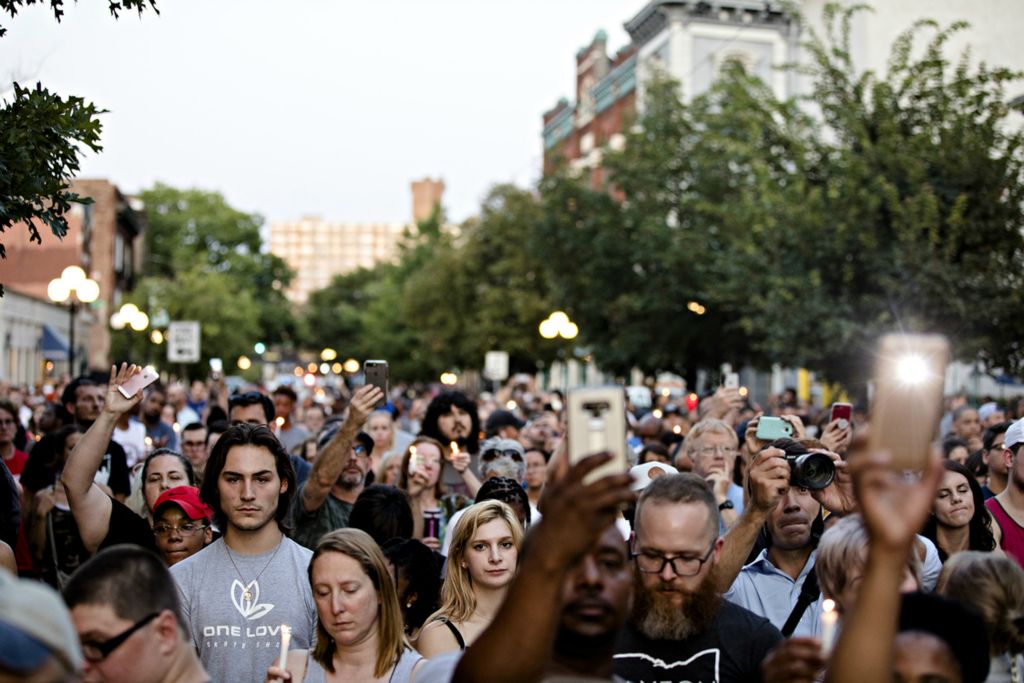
{"x":131,"y":317}
{"x":558,"y":325}
{"x":72,"y":286}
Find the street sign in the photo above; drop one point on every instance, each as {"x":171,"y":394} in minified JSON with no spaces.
{"x":183,"y":341}
{"x":496,"y":366}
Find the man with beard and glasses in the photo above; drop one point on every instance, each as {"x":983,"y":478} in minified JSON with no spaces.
{"x":325,"y":500}
{"x":680,"y":628}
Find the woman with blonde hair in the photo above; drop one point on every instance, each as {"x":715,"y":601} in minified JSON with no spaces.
{"x":482,"y":562}
{"x":360,"y":634}
{"x":993,"y":584}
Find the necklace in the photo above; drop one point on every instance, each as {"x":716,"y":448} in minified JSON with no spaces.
{"x":248,"y":594}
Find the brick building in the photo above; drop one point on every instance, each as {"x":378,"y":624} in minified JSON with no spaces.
{"x":104,"y":238}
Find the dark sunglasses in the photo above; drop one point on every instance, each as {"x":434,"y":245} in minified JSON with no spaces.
{"x":492,"y":453}
{"x":97,"y":652}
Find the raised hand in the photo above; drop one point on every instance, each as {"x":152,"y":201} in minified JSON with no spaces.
{"x":837,"y":437}
{"x":769,"y":479}
{"x":894,"y":504}
{"x":363,"y":401}
{"x":838,"y":496}
{"x":116,"y":404}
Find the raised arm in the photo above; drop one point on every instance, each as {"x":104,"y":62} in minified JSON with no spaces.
{"x":89,"y":505}
{"x":575,"y":515}
{"x":894,"y":508}
{"x":769,"y":481}
{"x":332,"y":461}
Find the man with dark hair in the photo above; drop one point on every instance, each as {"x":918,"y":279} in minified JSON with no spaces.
{"x":1008,"y":507}
{"x":452,"y":416}
{"x":83,"y":401}
{"x":193,"y":447}
{"x":291,"y":434}
{"x":238,"y":591}
{"x":503,"y":423}
{"x":159,"y":432}
{"x":967,"y":426}
{"x":993,"y":444}
{"x":681,"y":629}
{"x":255,"y":408}
{"x":384,"y":512}
{"x":324,"y":502}
{"x":125,"y":609}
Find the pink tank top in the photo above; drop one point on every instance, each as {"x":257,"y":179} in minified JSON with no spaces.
{"x":1013,"y":533}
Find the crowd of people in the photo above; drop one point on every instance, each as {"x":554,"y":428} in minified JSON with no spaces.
{"x":421,"y":534}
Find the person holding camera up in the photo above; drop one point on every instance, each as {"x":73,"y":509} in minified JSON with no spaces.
{"x":791,"y":484}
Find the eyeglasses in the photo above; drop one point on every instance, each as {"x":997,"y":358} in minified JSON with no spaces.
{"x":186,"y":529}
{"x":709,"y":451}
{"x":97,"y":652}
{"x":995,"y":446}
{"x":654,"y":563}
{"x":492,"y":453}
{"x":359,"y":449}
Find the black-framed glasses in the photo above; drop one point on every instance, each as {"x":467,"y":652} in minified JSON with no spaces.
{"x":97,"y":652}
{"x":186,"y":529}
{"x":654,"y":563}
{"x":492,"y":453}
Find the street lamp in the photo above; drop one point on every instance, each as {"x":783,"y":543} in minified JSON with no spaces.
{"x":72,"y":286}
{"x":131,"y":317}
{"x":558,"y":325}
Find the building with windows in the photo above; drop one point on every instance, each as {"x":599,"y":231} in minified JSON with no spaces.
{"x":105,"y":239}
{"x":317,"y":250}
{"x":690,"y":40}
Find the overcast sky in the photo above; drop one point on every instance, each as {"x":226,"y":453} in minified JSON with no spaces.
{"x":322,"y":107}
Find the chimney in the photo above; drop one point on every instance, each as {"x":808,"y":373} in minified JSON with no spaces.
{"x":426,"y":196}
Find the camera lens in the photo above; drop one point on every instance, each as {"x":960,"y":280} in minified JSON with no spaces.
{"x":812,"y":471}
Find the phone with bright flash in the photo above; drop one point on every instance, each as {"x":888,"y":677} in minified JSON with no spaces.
{"x":909,"y":380}
{"x":596,"y":423}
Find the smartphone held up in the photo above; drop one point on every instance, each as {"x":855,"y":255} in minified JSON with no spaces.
{"x":597,"y":423}
{"x":138,"y":382}
{"x":908,"y":387}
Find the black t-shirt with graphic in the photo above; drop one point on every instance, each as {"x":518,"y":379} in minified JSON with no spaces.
{"x":41,"y":467}
{"x":729,"y":651}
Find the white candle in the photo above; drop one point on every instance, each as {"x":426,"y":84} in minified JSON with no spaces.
{"x":829,"y":618}
{"x":455,"y":449}
{"x":286,"y":638}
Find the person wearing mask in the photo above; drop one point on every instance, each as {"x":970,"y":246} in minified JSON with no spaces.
{"x":481,"y":565}
{"x":359,"y":630}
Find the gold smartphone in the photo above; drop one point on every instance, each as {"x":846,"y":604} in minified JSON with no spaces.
{"x":907,"y":406}
{"x":597,"y":422}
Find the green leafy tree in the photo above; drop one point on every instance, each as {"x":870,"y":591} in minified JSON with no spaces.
{"x":229,"y":316}
{"x":43,"y":135}
{"x":197,"y":228}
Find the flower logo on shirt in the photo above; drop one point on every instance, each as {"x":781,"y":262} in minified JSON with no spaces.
{"x":246,"y":600}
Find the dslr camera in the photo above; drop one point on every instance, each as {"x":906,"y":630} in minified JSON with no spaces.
{"x":813,"y":471}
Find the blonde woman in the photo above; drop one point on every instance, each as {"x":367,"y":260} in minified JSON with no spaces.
{"x":481,"y":564}
{"x":360,"y":634}
{"x":993,"y":584}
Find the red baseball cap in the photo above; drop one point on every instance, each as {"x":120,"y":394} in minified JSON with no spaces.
{"x":187,"y":498}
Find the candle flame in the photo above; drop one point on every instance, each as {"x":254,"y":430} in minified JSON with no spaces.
{"x":828,"y":605}
{"x":455,"y":448}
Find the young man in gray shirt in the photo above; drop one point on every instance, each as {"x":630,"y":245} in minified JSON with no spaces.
{"x":238,"y":592}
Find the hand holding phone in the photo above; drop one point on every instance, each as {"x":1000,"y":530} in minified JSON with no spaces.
{"x":138,"y":382}
{"x":376,"y":373}
{"x":841,"y":411}
{"x":597,"y":422}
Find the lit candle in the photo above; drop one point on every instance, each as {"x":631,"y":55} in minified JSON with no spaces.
{"x":677,"y":429}
{"x":286,"y":638}
{"x":455,"y":449}
{"x":279,"y":422}
{"x":829,"y":617}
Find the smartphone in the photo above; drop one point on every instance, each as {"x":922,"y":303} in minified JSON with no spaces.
{"x":732,"y":380}
{"x":841,"y":411}
{"x":597,"y":422}
{"x":376,"y":373}
{"x":771,"y":428}
{"x":910,"y":374}
{"x":138,"y":382}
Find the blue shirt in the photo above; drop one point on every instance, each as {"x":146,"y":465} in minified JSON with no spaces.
{"x":734,"y":494}
{"x":767,"y":591}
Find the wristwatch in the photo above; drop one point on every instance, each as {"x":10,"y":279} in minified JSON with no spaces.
{"x":727,"y":505}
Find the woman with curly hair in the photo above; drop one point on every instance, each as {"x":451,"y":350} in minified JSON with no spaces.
{"x":481,"y":564}
{"x":959,"y":519}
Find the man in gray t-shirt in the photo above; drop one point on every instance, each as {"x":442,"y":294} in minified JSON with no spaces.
{"x":238,"y":592}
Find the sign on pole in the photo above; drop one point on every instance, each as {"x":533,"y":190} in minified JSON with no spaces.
{"x":183,"y":341}
{"x":496,"y":366}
